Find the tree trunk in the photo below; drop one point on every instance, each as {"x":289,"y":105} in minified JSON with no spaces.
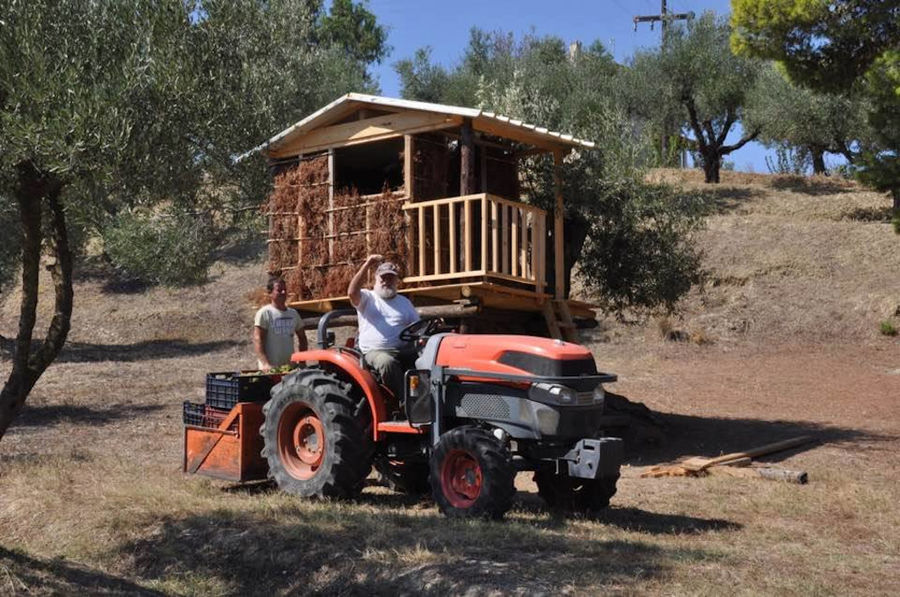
{"x":34,"y":187}
{"x":711,"y":166}
{"x":818,"y":160}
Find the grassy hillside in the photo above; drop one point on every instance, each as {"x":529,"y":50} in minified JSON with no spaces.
{"x":789,"y":259}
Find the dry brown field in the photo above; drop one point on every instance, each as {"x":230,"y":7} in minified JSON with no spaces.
{"x":782,"y":340}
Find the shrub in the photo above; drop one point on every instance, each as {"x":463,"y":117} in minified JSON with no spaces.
{"x":888,"y":329}
{"x":172,"y":249}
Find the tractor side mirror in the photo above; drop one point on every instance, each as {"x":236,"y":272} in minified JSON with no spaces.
{"x":419,"y":403}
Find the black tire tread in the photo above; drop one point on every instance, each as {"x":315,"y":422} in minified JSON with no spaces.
{"x":348,"y":459}
{"x":497,"y":471}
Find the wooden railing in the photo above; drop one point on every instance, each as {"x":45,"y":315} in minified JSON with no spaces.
{"x":476,"y":236}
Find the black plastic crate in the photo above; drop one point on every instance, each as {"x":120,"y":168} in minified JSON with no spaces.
{"x":227,"y":388}
{"x":203,"y":415}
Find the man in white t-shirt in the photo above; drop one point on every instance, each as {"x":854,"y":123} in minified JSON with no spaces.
{"x":274,"y":328}
{"x":382,"y":313}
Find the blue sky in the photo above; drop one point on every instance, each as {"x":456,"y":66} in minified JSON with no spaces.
{"x":444,"y":26}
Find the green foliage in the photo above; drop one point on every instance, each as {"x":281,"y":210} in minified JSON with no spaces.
{"x":9,"y":248}
{"x":420,"y":79}
{"x":837,"y":46}
{"x":798,"y":117}
{"x":789,"y":159}
{"x":640,"y":252}
{"x":126,"y":104}
{"x":632,"y":240}
{"x":352,"y":28}
{"x":887,"y":328}
{"x":171,"y":248}
{"x":696,"y":83}
{"x":824,"y":44}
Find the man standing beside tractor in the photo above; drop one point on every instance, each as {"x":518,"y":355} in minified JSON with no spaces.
{"x":382,"y":314}
{"x":274,"y":328}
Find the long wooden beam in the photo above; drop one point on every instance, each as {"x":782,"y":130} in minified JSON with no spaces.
{"x":364,"y":131}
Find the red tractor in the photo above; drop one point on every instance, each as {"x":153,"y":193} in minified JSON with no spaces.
{"x":476,"y":409}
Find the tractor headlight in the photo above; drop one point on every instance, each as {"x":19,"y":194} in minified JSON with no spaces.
{"x":552,"y":393}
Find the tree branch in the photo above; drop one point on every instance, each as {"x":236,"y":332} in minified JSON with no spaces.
{"x":730,"y":119}
{"x":725,"y":149}
{"x":695,"y":123}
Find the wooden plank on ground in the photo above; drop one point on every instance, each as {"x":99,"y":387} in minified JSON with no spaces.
{"x":698,"y":464}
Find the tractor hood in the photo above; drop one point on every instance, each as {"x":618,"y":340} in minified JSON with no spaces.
{"x":520,"y":355}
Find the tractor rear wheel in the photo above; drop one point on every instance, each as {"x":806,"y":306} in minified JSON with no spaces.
{"x":571,"y":494}
{"x":472,"y":475}
{"x":315,"y":437}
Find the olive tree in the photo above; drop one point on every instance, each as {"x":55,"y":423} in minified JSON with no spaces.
{"x":817,"y":123}
{"x":837,"y":46}
{"x":697,"y":72}
{"x":111,"y":111}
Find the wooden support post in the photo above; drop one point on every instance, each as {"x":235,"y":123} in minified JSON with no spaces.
{"x":558,"y":245}
{"x":484,"y":180}
{"x":408,"y":173}
{"x":467,"y":159}
{"x":300,"y":234}
{"x":331,"y":231}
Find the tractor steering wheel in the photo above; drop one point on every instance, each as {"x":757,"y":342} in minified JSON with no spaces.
{"x":421,"y":329}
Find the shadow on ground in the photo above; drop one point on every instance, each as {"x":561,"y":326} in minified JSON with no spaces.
{"x":85,"y":352}
{"x":678,"y":436}
{"x":339,"y":550}
{"x":807,"y":185}
{"x":725,"y":199}
{"x":27,"y":575}
{"x":43,"y":416}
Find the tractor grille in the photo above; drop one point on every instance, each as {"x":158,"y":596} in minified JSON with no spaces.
{"x":488,"y":406}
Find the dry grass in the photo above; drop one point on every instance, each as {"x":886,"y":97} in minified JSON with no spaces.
{"x":92,"y":499}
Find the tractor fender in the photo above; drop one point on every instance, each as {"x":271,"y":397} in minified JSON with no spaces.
{"x":349,"y":364}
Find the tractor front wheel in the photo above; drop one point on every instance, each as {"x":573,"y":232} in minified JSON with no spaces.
{"x":570,"y":494}
{"x":472,"y":475}
{"x":314,"y":443}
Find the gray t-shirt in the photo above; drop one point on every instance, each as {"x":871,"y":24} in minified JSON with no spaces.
{"x":280,"y":328}
{"x":380,"y":320}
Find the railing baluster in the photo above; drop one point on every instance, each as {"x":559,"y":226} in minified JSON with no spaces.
{"x":422,"y":271}
{"x":514,"y":232}
{"x":504,"y":253}
{"x":467,"y":246}
{"x":484,"y":233}
{"x":453,"y":237}
{"x":495,"y":230}
{"x":437,"y":239}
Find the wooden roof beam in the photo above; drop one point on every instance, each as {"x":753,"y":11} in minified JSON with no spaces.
{"x":365,"y":131}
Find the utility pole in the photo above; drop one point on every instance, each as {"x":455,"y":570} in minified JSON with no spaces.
{"x":664,"y":17}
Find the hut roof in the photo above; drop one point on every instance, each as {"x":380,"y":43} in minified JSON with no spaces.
{"x":485,"y":121}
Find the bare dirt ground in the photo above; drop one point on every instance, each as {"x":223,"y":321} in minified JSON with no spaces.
{"x":783,"y":340}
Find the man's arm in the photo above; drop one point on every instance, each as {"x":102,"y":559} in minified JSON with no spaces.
{"x":302,"y":344}
{"x":356,"y":284}
{"x":259,"y":346}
